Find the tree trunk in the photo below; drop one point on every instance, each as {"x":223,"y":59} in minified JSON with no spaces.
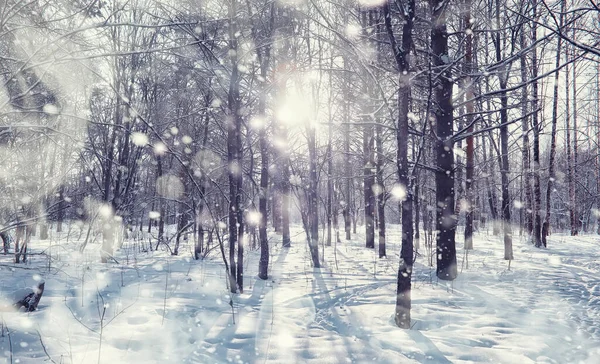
{"x":313,"y":198}
{"x":575,"y":222}
{"x":444,"y":175}
{"x":263,"y":264}
{"x":285,"y":17}
{"x":264,"y":58}
{"x":598,"y":151}
{"x":537,"y":194}
{"x":526,"y":175}
{"x":234,"y":148}
{"x":571,"y":203}
{"x":367,"y":16}
{"x":329,"y":188}
{"x":504,"y":165}
{"x":380,"y":192}
{"x":401,"y":54}
{"x":468,"y":67}
{"x":551,"y":177}
{"x":161,"y":210}
{"x":347,"y":166}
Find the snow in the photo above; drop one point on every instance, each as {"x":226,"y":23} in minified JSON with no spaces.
{"x":139,"y":139}
{"x":156,"y":308}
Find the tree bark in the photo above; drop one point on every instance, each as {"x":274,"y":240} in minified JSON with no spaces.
{"x":313,"y":198}
{"x":527,"y":178}
{"x":504,"y":165}
{"x":234,"y":124}
{"x":575,"y":222}
{"x":468,"y":67}
{"x":367,"y":16}
{"x":551,"y":177}
{"x":537,"y":194}
{"x":401,"y":54}
{"x":444,"y":175}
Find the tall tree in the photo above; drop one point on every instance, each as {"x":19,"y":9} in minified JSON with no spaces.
{"x":468,"y":69}
{"x":368,"y":20}
{"x":264,"y":36}
{"x":537,"y":194}
{"x":527,"y":178}
{"x":444,"y":175}
{"x":504,"y":165}
{"x":574,"y":214}
{"x":401,"y":56}
{"x":551,"y":175}
{"x":234,"y":157}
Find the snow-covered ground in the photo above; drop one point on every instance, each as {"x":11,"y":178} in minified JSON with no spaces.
{"x":152,"y":307}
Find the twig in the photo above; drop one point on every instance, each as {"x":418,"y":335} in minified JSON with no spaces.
{"x":44,"y":347}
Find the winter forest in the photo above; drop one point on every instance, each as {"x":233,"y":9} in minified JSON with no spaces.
{"x":299,"y":181}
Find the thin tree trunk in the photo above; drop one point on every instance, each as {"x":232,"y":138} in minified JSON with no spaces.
{"x":417,"y":214}
{"x":598,"y":151}
{"x":285,"y":24}
{"x":161,"y":203}
{"x":403,"y":290}
{"x":347,"y":165}
{"x":537,"y":194}
{"x":367,"y":16}
{"x":199,"y":248}
{"x":264,"y":57}
{"x":263,"y":265}
{"x":571,"y":204}
{"x":503,"y":78}
{"x":469,"y":120}
{"x":234,"y":157}
{"x":527,"y":177}
{"x":329,"y":186}
{"x":381,"y":192}
{"x":313,"y":197}
{"x":575,"y":224}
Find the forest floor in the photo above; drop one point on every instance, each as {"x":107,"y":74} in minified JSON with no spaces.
{"x":152,"y":307}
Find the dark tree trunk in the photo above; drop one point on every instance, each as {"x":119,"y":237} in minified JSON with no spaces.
{"x":598,"y":154}
{"x":537,"y":194}
{"x":527,"y":177}
{"x":285,"y":201}
{"x":551,"y":177}
{"x":504,"y":165}
{"x":572,"y":159}
{"x":162,"y":213}
{"x":329,"y":188}
{"x":347,"y":166}
{"x":417,"y":214}
{"x":403,"y":289}
{"x":491,"y":193}
{"x":571,"y":204}
{"x":313,"y":198}
{"x":369,"y":181}
{"x":286,"y":25}
{"x":263,"y":265}
{"x":381,"y":193}
{"x":234,"y":150}
{"x":576,"y":213}
{"x":444,"y":175}
{"x":368,"y":21}
{"x":469,"y":121}
{"x":264,"y":58}
{"x":5,"y":241}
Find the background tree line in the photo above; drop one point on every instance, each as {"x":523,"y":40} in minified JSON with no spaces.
{"x":229,"y":118}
